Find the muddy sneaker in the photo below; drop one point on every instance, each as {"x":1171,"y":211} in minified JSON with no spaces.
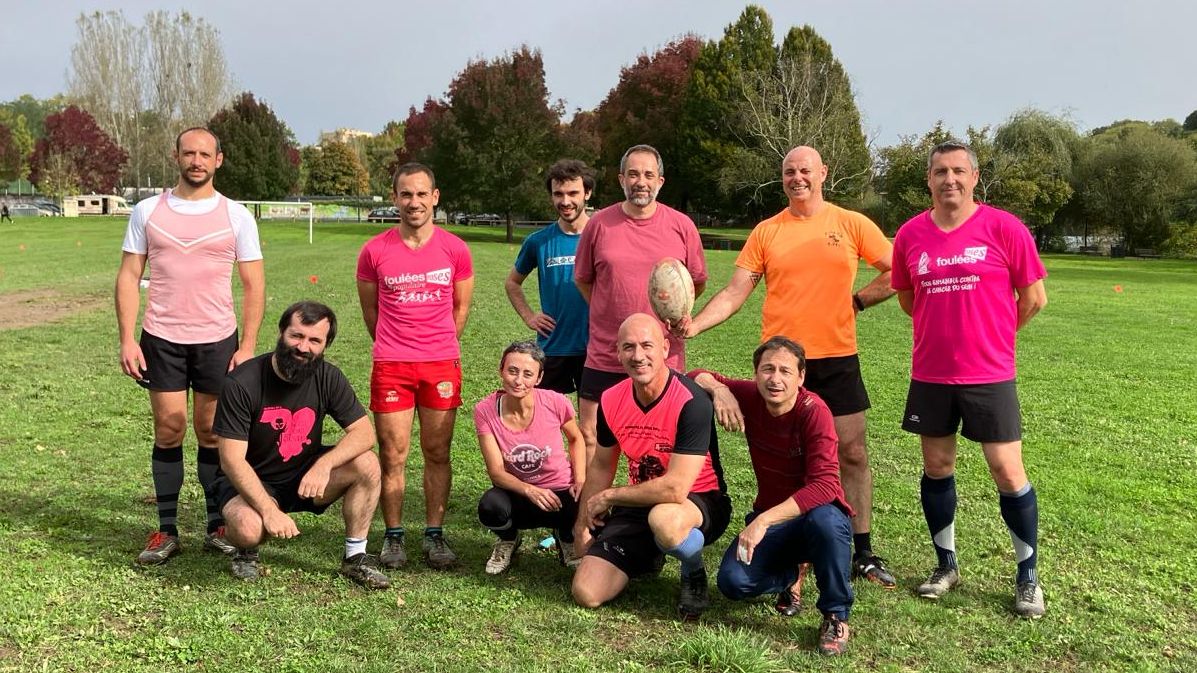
{"x":1028,"y":600}
{"x":568,"y":554}
{"x":941,"y":581}
{"x":789,"y":601}
{"x":392,"y":555}
{"x":217,"y":542}
{"x":158,"y":549}
{"x":437,"y":554}
{"x":693,"y":598}
{"x":363,"y":569}
{"x":833,"y":636}
{"x":872,"y":568}
{"x":245,"y":565}
{"x":502,"y":555}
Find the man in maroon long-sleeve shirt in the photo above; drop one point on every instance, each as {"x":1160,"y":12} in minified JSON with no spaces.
{"x":800,"y":514}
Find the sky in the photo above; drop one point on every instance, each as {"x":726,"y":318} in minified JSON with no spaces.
{"x":323,"y":65}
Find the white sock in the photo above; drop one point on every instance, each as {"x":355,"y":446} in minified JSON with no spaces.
{"x":354,"y":546}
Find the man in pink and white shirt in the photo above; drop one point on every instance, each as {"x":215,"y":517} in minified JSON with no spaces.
{"x":970,"y":277}
{"x":190,"y":236}
{"x":415,"y":281}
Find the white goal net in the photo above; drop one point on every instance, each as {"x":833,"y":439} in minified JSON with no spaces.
{"x":302,"y":211}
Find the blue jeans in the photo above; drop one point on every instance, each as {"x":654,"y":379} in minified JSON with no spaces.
{"x":822,"y":537}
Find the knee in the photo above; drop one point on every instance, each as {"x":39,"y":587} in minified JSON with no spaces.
{"x":1009,"y":479}
{"x":585,"y":596}
{"x":242,"y":524}
{"x":392,"y":458}
{"x":169,"y":428}
{"x":436,"y":455}
{"x":667,"y":524}
{"x":852,"y":453}
{"x":830,"y":526}
{"x":494,"y":509}
{"x":733,"y":582}
{"x":368,"y":470}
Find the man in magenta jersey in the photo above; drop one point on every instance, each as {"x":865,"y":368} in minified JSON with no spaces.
{"x":191,"y":236}
{"x":615,"y":255}
{"x":801,"y":514}
{"x":415,"y":281}
{"x":970,"y":277}
{"x":675,"y":502}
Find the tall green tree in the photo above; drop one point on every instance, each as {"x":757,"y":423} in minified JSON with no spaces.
{"x":333,"y":169}
{"x":34,"y":110}
{"x":261,"y":161}
{"x":21,"y":141}
{"x":75,"y":154}
{"x":12,"y":159}
{"x":902,"y":175}
{"x":1131,"y":178}
{"x":1032,"y":169}
{"x":379,"y":156}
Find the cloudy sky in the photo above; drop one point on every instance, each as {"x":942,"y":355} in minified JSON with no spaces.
{"x":349,"y":63}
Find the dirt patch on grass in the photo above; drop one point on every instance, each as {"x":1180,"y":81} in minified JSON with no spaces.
{"x":29,"y":308}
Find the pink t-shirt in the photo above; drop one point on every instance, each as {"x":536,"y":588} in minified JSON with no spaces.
{"x":415,"y":295}
{"x":616,"y":254}
{"x":965,"y":311}
{"x":535,"y":455}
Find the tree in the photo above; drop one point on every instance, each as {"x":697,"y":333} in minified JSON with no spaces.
{"x":260,"y":158}
{"x":643,"y":107}
{"x":902,"y":175}
{"x":333,"y":169}
{"x":21,"y":141}
{"x":1190,"y":124}
{"x":380,"y":156}
{"x":34,"y":110}
{"x":12,"y":159}
{"x":1130,"y":179}
{"x":497,"y":136}
{"x":145,"y":84}
{"x":1032,"y":169}
{"x":76,"y":154}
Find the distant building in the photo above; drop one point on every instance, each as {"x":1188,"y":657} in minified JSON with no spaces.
{"x":343,"y":135}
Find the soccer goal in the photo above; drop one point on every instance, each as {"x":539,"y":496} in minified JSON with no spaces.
{"x":283,"y":210}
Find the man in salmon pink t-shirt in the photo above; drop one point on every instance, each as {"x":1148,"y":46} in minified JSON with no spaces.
{"x":970,"y":277}
{"x":415,"y":281}
{"x":808,"y":255}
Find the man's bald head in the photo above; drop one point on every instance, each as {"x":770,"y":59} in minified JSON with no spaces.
{"x":804,"y":152}
{"x":802,"y":176}
{"x":641,"y":324}
{"x":642,"y":348}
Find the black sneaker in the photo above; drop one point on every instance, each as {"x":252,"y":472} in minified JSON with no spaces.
{"x":245,"y":565}
{"x":789,"y":601}
{"x":392,"y":555}
{"x":437,"y":553}
{"x":872,"y":568}
{"x":363,"y":569}
{"x":833,"y":636}
{"x":693,"y":599}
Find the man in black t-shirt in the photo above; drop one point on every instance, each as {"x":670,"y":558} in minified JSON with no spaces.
{"x":269,"y":421}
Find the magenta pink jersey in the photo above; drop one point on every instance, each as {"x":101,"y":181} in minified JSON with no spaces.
{"x":965,"y":312}
{"x":415,"y":295}
{"x":537,"y":454}
{"x":616,"y":254}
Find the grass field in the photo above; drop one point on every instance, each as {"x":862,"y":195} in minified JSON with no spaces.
{"x":1110,"y":412}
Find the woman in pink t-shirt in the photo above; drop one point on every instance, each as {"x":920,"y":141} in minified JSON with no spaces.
{"x":536,"y":483}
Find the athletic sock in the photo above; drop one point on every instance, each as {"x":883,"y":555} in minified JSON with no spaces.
{"x":396,"y":531}
{"x":689,"y":552}
{"x":1020,"y":511}
{"x":939,"y":508}
{"x":863,"y":543}
{"x":207,"y":461}
{"x":430,"y":531}
{"x":166,"y":464}
{"x":354,"y":546}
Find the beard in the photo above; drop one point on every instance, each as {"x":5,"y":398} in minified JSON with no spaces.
{"x":195,"y":184}
{"x":294,"y":366}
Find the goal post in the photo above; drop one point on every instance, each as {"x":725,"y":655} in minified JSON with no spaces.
{"x":284,"y":210}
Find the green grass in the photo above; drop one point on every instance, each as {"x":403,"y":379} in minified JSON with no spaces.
{"x":1110,"y":412}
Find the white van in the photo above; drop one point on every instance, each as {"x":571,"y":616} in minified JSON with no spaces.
{"x":95,"y":204}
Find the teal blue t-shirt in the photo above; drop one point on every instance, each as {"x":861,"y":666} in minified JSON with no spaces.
{"x":551,"y":252}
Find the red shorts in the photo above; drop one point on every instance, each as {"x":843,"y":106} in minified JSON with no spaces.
{"x":399,"y":386}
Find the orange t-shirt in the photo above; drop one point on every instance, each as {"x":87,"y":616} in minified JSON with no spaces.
{"x":809,"y":266}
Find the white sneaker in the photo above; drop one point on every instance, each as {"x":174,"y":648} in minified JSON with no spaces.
{"x":941,"y":581}
{"x":569,"y":557}
{"x":502,"y":555}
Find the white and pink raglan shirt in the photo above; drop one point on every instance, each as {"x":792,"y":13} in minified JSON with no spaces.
{"x":190,"y":247}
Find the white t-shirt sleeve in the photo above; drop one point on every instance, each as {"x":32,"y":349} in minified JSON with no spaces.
{"x":249,"y":248}
{"x":135,"y":239}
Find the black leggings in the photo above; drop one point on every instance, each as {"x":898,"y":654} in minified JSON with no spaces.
{"x":506,"y":513}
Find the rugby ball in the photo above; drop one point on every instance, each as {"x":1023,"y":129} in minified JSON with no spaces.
{"x":670,"y":290}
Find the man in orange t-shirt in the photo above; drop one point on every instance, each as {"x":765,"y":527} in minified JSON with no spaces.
{"x":808,"y":255}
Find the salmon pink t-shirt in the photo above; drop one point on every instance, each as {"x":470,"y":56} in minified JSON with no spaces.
{"x":535,"y":455}
{"x":415,"y":295}
{"x":965,"y":311}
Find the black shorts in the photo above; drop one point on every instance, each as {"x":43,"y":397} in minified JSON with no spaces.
{"x":989,"y":410}
{"x":627,"y":542}
{"x":596,"y":381}
{"x":839,"y":383}
{"x":171,"y":367}
{"x":563,"y":373}
{"x":285,"y":493}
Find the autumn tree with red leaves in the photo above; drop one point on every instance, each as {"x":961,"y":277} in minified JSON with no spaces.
{"x":76,"y":155}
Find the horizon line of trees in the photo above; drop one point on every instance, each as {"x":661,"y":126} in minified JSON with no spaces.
{"x":722,"y":113}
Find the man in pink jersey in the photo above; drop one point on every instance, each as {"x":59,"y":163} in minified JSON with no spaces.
{"x":615,"y":255}
{"x":675,"y":502}
{"x":191,"y":236}
{"x":808,"y":256}
{"x":970,"y":277}
{"x":415,"y":282}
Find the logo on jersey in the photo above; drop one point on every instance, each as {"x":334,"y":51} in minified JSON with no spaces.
{"x":924,"y":264}
{"x":527,"y":459}
{"x":834,"y":238}
{"x":293,"y":428}
{"x":649,"y":467}
{"x":969,"y":256}
{"x":564,"y":260}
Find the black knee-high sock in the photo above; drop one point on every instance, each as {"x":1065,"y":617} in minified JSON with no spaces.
{"x":207,"y":461}
{"x":1020,"y":511}
{"x":939,"y":508}
{"x":166,"y":464}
